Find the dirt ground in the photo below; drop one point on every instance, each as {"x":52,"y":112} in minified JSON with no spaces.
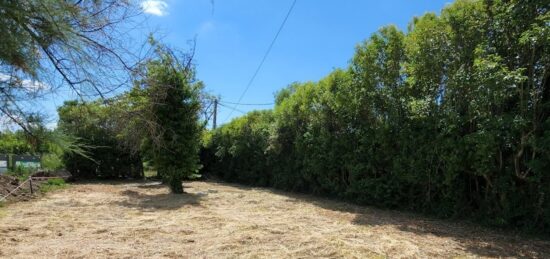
{"x":216,"y":220}
{"x":9,"y":183}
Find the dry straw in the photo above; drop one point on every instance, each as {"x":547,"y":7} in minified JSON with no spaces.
{"x":214,"y":220}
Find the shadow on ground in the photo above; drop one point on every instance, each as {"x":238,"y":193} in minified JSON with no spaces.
{"x":147,"y":201}
{"x":475,"y":239}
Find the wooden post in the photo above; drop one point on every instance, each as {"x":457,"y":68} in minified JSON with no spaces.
{"x":30,"y":183}
{"x":215,"y":113}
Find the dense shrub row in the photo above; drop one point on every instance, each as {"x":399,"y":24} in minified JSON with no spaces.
{"x":450,"y":118}
{"x":93,"y":125}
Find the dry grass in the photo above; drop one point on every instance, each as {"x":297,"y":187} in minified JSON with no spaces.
{"x":214,"y":220}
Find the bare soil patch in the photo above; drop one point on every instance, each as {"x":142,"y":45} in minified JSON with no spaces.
{"x":217,"y":220}
{"x":9,"y":183}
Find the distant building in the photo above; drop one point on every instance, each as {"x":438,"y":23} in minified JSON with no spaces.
{"x":3,"y":163}
{"x":8,"y":162}
{"x":26,"y":161}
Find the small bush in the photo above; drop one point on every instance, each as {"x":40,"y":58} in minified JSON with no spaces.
{"x":52,"y":185}
{"x":22,"y":173}
{"x":52,"y":162}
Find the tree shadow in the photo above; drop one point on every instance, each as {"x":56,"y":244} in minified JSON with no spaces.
{"x":158,"y":201}
{"x":152,"y":186}
{"x":110,"y":181}
{"x":474,"y":238}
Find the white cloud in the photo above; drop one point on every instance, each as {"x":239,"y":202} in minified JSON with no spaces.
{"x":155,"y":7}
{"x":34,"y":85}
{"x":31,"y":85}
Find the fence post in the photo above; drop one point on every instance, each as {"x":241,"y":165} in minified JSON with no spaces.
{"x":30,"y":183}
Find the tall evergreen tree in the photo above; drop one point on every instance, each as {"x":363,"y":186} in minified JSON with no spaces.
{"x":173,"y":104}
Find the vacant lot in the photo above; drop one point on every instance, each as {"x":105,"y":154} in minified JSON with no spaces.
{"x":220,"y":220}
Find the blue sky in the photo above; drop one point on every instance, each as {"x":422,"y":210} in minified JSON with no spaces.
{"x":233,"y":35}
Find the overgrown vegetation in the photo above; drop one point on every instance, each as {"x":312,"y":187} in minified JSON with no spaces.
{"x":21,"y":173}
{"x":52,"y":185}
{"x":156,"y":122}
{"x":14,"y":143}
{"x":93,"y":125}
{"x":49,"y":145}
{"x":449,"y":118}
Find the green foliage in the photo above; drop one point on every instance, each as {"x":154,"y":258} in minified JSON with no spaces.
{"x":170,"y":100}
{"x":52,"y":162}
{"x":50,"y":145}
{"x":238,"y":149}
{"x":157,"y":121}
{"x":101,"y":154}
{"x":22,"y":173}
{"x":52,"y":185}
{"x":450,"y":118}
{"x":48,"y":27}
{"x":14,"y":143}
{"x":71,"y":45}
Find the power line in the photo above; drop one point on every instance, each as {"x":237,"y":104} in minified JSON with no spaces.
{"x":263,"y":59}
{"x":252,"y":104}
{"x":232,"y":108}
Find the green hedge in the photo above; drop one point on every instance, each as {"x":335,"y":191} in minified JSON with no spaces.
{"x":450,"y":118}
{"x":93,"y":126}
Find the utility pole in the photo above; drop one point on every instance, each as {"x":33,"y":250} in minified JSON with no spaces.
{"x":215,"y":112}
